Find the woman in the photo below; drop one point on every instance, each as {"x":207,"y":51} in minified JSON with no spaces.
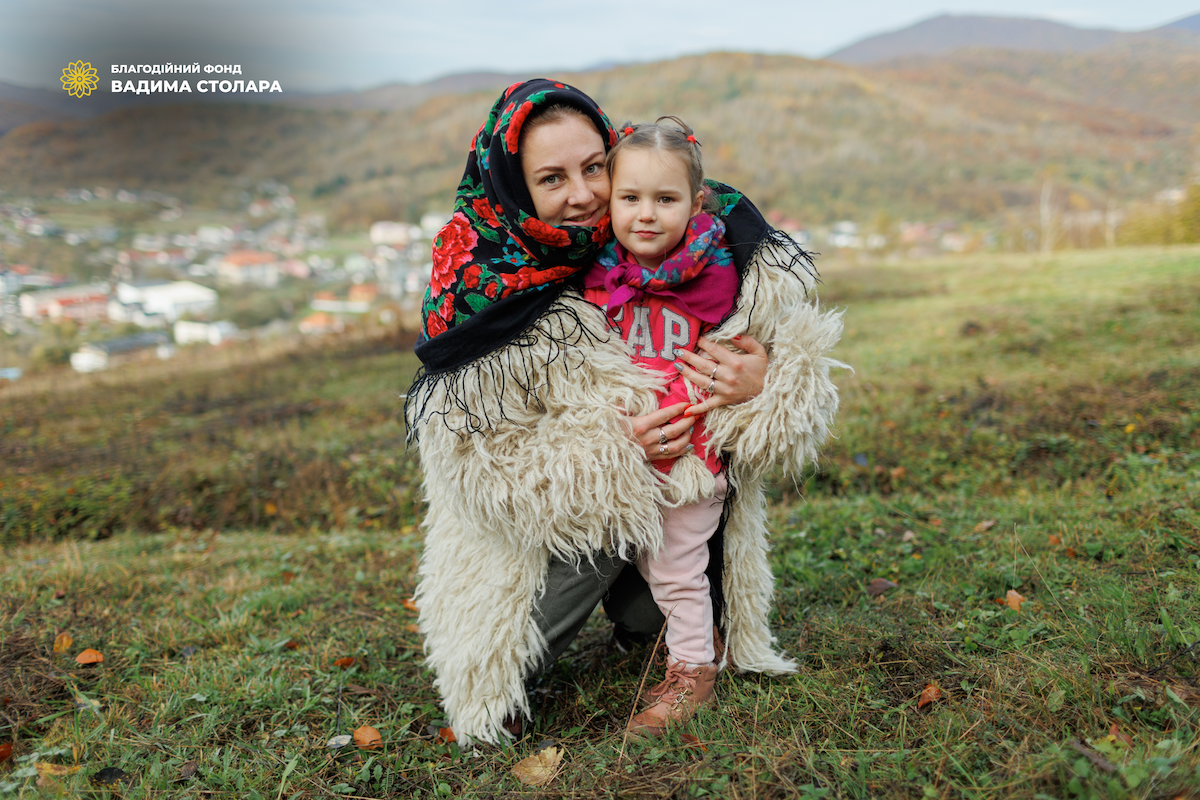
{"x":536,"y":430}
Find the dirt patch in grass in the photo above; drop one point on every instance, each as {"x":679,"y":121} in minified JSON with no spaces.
{"x":30,"y":684}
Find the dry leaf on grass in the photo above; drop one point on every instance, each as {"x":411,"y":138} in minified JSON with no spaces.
{"x":689,"y":740}
{"x":985,"y":525}
{"x":1054,"y":540}
{"x":344,"y":663}
{"x":188,"y":769}
{"x":338,"y":742}
{"x":5,"y":751}
{"x":410,"y":604}
{"x":1014,"y":600}
{"x":1115,"y":732}
{"x":445,"y":736}
{"x":291,"y":644}
{"x":928,"y":695}
{"x":539,"y":768}
{"x":55,"y":770}
{"x":880,"y":585}
{"x":89,"y":656}
{"x":63,"y":642}
{"x":287,"y":577}
{"x":367,"y":737}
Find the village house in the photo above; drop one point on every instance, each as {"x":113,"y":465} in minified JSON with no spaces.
{"x":252,"y":267}
{"x":96,"y":356}
{"x":80,"y":303}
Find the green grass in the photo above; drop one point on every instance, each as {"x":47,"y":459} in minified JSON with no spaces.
{"x":1012,"y":424}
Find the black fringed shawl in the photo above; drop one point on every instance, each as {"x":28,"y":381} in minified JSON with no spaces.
{"x":499,"y":272}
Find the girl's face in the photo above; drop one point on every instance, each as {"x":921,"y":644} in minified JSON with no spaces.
{"x":563,"y":164}
{"x":652,"y":203}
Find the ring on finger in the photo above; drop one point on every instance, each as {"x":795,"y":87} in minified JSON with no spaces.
{"x":711,"y":385}
{"x":662,"y":448}
{"x":662,"y":437}
{"x":713,"y":374}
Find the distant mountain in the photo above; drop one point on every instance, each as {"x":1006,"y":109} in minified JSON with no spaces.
{"x":1191,"y":23}
{"x":949,"y":32}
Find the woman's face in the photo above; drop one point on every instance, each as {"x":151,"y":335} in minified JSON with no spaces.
{"x":563,"y":164}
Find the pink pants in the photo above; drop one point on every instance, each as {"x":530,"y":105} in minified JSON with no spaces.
{"x":677,"y":580}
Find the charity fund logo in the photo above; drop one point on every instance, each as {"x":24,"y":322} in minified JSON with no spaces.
{"x":79,"y":79}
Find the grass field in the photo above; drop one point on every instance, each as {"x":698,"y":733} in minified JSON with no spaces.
{"x":1018,"y":451}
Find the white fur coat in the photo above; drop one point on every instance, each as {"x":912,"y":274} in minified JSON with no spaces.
{"x":558,"y":473}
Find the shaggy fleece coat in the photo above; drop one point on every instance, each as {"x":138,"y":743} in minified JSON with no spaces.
{"x":559,"y":473}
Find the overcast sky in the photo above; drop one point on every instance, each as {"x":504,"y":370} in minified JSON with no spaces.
{"x":324,"y":45}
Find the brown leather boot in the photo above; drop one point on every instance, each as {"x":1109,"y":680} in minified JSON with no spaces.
{"x":677,"y":698}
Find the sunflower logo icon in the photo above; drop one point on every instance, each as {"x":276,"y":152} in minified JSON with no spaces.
{"x":79,"y":79}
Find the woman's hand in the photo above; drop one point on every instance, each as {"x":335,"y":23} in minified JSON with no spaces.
{"x":662,"y":440}
{"x":728,"y":378}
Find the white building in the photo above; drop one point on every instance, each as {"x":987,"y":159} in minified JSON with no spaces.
{"x":187,"y":332}
{"x":164,"y":300}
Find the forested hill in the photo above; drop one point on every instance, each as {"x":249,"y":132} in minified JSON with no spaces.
{"x":969,"y":134}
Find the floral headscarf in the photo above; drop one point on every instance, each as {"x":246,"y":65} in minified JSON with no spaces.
{"x":495,"y":247}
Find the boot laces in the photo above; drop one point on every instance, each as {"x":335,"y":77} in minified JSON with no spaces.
{"x":680,"y":682}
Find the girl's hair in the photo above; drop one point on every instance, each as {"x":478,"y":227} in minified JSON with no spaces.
{"x":678,"y":138}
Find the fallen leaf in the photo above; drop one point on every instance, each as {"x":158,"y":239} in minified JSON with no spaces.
{"x":1014,"y":600}
{"x":354,"y":687}
{"x":188,"y":769}
{"x":985,"y":525}
{"x":410,"y":604}
{"x":291,"y":644}
{"x":344,"y":663}
{"x":1130,"y":428}
{"x":63,"y":642}
{"x":111,"y":777}
{"x":55,"y":770}
{"x":1070,"y":551}
{"x":338,"y":742}
{"x":288,"y":576}
{"x":692,"y":741}
{"x":1115,"y":732}
{"x":367,"y":737}
{"x":60,"y":594}
{"x":898,"y":473}
{"x":880,"y":585}
{"x":89,"y":656}
{"x":908,"y":536}
{"x":539,"y":768}
{"x":270,"y":509}
{"x":1054,"y":540}
{"x":5,"y":752}
{"x":412,"y":628}
{"x":935,"y":522}
{"x":445,"y":736}
{"x":928,"y":695}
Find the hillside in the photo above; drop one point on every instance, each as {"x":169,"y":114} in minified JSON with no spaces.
{"x":816,"y":141}
{"x":950,"y":32}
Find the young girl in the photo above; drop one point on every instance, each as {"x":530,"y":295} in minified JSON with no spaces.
{"x":664,"y":282}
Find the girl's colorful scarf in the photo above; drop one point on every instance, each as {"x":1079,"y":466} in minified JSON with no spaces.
{"x":697,"y":277}
{"x":494,"y":246}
